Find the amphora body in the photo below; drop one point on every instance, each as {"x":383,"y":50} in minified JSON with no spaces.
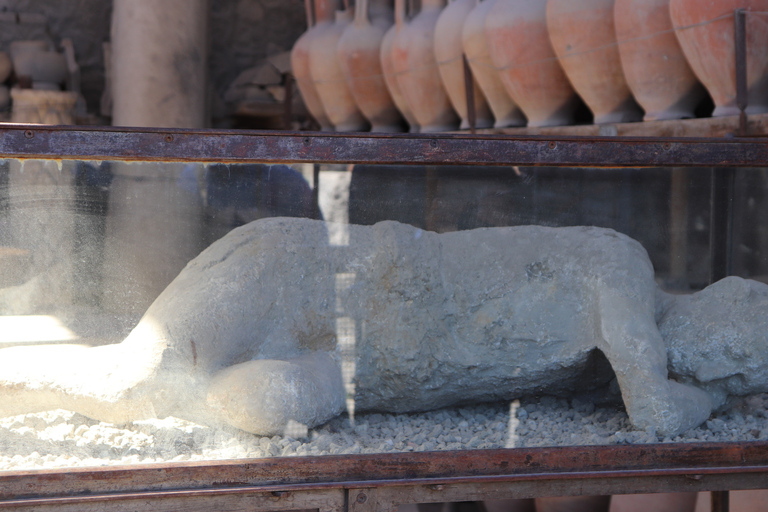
{"x":706,"y":33}
{"x":449,"y":52}
{"x":522,"y":53}
{"x":413,"y":56}
{"x":584,"y":38}
{"x":359,"y":51}
{"x":654,"y":65}
{"x":300,"y":59}
{"x":505,"y":111}
{"x":388,"y":67}
{"x":329,"y":80}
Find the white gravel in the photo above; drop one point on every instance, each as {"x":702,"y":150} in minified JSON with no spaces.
{"x":64,"y":439}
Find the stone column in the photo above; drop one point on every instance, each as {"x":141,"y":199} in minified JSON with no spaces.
{"x":155,"y":214}
{"x":159,"y":60}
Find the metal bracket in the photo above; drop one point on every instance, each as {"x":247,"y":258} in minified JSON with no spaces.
{"x":368,"y":500}
{"x":721,"y":222}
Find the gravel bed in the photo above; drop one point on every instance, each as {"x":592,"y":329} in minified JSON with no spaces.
{"x":64,"y":439}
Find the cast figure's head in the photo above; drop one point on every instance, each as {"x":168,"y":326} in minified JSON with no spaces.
{"x":718,"y":338}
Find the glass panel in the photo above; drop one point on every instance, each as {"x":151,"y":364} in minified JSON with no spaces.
{"x":293,"y":336}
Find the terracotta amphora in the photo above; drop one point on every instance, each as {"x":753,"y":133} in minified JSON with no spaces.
{"x":584,"y":38}
{"x":505,"y":111}
{"x":520,"y":49}
{"x":413,"y":56}
{"x":706,"y":33}
{"x":325,"y":68}
{"x":300,"y":60}
{"x":388,"y":67}
{"x":653,"y":62}
{"x":449,"y":52}
{"x":359,"y":51}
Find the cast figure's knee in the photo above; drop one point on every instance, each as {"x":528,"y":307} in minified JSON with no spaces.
{"x":262,"y":396}
{"x":684,"y":407}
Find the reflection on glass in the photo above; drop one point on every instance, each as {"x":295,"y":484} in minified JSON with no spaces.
{"x":429,"y":339}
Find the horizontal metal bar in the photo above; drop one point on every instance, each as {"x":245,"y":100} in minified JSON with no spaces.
{"x":691,"y":473}
{"x":270,"y":493}
{"x":278,"y":489}
{"x":278,"y":497}
{"x":36,"y":141}
{"x":558,"y":487}
{"x":189,"y":502}
{"x":400,"y":468}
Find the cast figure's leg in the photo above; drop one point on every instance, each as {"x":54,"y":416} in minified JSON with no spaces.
{"x":106,"y":383}
{"x":631,"y":341}
{"x":263,"y":395}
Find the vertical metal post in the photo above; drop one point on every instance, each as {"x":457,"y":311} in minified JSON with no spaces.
{"x":678,"y":213}
{"x":316,"y":189}
{"x":432,"y":186}
{"x":742,"y":93}
{"x":721,"y":199}
{"x":721,"y":223}
{"x":720,"y":501}
{"x":5,"y":169}
{"x":288,"y":100}
{"x":469,"y":91}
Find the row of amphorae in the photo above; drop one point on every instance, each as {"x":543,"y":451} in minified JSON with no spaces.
{"x":374,"y":67}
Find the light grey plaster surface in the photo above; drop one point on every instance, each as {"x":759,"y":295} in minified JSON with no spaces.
{"x":246,"y":334}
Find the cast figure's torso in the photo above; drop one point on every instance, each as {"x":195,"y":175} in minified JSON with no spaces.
{"x":480,"y":315}
{"x":246,"y":334}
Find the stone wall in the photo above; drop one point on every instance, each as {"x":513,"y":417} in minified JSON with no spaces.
{"x":86,"y":22}
{"x":245,"y":31}
{"x":242,"y":32}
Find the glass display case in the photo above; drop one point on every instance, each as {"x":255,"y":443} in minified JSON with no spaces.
{"x":285,"y":321}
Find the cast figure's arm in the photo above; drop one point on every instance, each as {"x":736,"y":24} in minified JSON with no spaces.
{"x":630,"y":339}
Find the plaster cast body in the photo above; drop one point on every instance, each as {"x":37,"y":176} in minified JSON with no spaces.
{"x":245,"y":334}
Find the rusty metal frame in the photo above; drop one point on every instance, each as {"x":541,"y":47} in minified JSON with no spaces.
{"x":363,"y":483}
{"x":358,"y":483}
{"x":35,"y":141}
